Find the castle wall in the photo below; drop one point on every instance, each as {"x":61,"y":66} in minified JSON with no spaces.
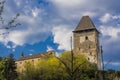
{"x":87,"y":47}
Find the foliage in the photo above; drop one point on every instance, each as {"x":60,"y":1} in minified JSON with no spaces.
{"x":29,"y":72}
{"x":59,"y":68}
{"x":8,"y":68}
{"x":7,"y":65}
{"x":78,"y":67}
{"x":7,"y":25}
{"x":44,"y":69}
{"x":111,"y":74}
{"x":2,"y":68}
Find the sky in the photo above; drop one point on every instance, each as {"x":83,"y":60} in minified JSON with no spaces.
{"x":48,"y":25}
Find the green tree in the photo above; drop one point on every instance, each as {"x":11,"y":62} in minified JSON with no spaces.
{"x":60,"y":68}
{"x":111,"y":74}
{"x":10,"y":68}
{"x":77,"y":67}
{"x":29,"y":71}
{"x":2,"y":69}
{"x":52,"y":69}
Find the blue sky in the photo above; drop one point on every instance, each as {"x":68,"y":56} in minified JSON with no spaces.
{"x":48,"y":25}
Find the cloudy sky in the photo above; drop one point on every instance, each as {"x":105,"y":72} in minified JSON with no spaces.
{"x":48,"y":25}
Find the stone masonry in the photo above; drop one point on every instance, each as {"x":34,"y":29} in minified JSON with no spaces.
{"x":86,"y":39}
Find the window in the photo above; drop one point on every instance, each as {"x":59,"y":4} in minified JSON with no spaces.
{"x":32,"y":60}
{"x":86,"y":38}
{"x":88,"y":58}
{"x":89,"y":46}
{"x":90,"y":53}
{"x":20,"y":62}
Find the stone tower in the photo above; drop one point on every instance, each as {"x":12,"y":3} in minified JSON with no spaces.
{"x":86,"y":39}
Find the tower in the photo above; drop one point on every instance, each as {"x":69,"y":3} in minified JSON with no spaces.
{"x":86,"y":39}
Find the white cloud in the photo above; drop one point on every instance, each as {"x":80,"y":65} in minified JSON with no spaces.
{"x":69,"y":3}
{"x":3,"y":37}
{"x":35,"y":28}
{"x":49,"y":48}
{"x":110,"y":31}
{"x":111,"y":63}
{"x":18,"y":3}
{"x":32,"y":29}
{"x":107,"y":65}
{"x":115,"y":63}
{"x":91,"y":14}
{"x":30,"y":54}
{"x":116,"y":17}
{"x":18,"y":37}
{"x":13,"y":50}
{"x":74,"y":9}
{"x":107,"y":17}
{"x":111,"y":28}
{"x":62,"y":36}
{"x":35,"y":12}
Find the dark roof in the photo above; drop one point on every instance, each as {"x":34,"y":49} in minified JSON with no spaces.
{"x":85,"y":24}
{"x":44,"y":54}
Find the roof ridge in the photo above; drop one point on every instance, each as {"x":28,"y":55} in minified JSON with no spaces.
{"x":35,"y":55}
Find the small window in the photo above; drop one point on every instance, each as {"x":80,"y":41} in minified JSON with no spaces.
{"x":86,"y":38}
{"x":32,"y":60}
{"x":89,"y":46}
{"x":88,"y":58}
{"x":90,"y":53}
{"x":20,"y":62}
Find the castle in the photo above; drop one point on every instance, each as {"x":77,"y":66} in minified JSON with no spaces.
{"x":31,"y":58}
{"x":86,"y":41}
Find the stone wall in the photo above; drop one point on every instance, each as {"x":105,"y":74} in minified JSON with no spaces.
{"x":87,"y":43}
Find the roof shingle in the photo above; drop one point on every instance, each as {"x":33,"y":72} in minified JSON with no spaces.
{"x":85,"y":24}
{"x":44,"y":54}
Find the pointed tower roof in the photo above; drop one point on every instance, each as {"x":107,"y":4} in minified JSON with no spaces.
{"x":85,"y":24}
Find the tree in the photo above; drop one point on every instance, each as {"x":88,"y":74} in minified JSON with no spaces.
{"x":29,"y":71}
{"x":10,"y":68}
{"x":111,"y":74}
{"x":77,"y":67}
{"x":2,"y":69}
{"x":45,"y":69}
{"x":1,"y":10}
{"x":7,"y":25}
{"x":7,"y":69}
{"x":59,"y":68}
{"x":52,"y":69}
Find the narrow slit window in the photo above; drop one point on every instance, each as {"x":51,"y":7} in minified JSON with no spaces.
{"x":86,"y":38}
